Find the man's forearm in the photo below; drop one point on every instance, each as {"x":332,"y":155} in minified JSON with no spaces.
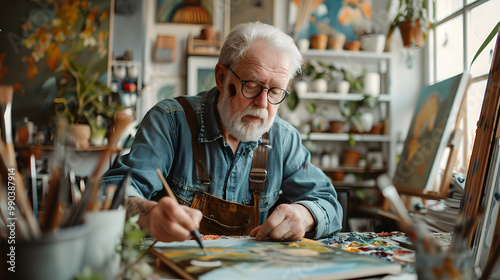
{"x":143,"y":207}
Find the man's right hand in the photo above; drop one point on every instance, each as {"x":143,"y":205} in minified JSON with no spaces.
{"x":166,"y":219}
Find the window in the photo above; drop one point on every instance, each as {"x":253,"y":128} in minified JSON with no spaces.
{"x":461,"y":28}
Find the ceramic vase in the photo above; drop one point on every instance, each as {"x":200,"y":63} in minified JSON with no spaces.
{"x":373,"y":43}
{"x":367,"y":121}
{"x":303,"y":45}
{"x":336,"y":41}
{"x":343,"y":87}
{"x":80,"y":134}
{"x":319,"y":85}
{"x":300,"y":87}
{"x":371,"y":83}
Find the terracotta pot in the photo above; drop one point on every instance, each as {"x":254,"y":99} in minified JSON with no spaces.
{"x":338,"y":176}
{"x":377,"y":128}
{"x":318,"y":41}
{"x":208,"y":32}
{"x":352,"y":45}
{"x":336,"y":41}
{"x":337,"y":127}
{"x":351,"y":157}
{"x":411,"y":34}
{"x":79,"y":134}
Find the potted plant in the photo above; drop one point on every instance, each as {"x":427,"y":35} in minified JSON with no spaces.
{"x":413,"y":20}
{"x":356,"y":83}
{"x":359,"y":120}
{"x":320,"y":73}
{"x":82,"y":98}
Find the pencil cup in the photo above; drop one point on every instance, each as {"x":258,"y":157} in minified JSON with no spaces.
{"x":106,"y":230}
{"x":55,"y":256}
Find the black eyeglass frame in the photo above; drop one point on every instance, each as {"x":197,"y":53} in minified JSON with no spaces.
{"x":286,"y":92}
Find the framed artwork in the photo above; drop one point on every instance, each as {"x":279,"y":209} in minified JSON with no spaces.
{"x":246,"y":258}
{"x":181,"y":11}
{"x":430,"y":130}
{"x":38,"y":39}
{"x":308,"y":18}
{"x":200,"y":73}
{"x":163,"y":87}
{"x":243,"y":11}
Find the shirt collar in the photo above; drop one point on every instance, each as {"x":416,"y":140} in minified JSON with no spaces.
{"x":209,"y":128}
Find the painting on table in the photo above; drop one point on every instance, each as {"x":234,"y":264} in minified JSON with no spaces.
{"x":246,"y":258}
{"x":430,"y":130}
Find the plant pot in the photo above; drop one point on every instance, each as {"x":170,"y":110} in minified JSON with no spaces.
{"x":338,"y":176}
{"x":367,"y":121}
{"x":300,"y":87}
{"x":79,"y":135}
{"x":336,"y":41}
{"x":208,"y":33}
{"x":319,"y":85}
{"x":412,"y":35}
{"x":377,"y":128}
{"x":373,"y":43}
{"x":343,"y":87}
{"x":352,"y":45}
{"x":303,"y":45}
{"x":318,"y":41}
{"x":351,"y":157}
{"x":337,"y":126}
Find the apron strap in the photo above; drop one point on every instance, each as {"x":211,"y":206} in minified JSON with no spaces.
{"x":258,"y":173}
{"x":198,"y":148}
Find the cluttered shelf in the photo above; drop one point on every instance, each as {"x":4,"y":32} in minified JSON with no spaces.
{"x":53,"y":147}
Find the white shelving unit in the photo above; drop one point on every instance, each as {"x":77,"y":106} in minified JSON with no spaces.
{"x":385,"y":143}
{"x":126,"y":80}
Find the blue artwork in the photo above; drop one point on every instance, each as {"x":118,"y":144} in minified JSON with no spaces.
{"x":333,"y":16}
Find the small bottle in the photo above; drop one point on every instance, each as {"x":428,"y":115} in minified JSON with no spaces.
{"x":24,"y":133}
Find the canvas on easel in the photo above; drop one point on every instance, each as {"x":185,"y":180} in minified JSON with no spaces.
{"x":246,"y":258}
{"x":431,"y":128}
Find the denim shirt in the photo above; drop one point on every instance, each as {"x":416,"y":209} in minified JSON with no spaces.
{"x":163,"y":141}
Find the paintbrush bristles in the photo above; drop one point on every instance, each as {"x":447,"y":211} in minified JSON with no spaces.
{"x":6,"y":94}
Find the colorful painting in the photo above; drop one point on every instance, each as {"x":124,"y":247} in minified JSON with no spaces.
{"x":246,"y":258}
{"x":329,"y":17}
{"x":430,"y":130}
{"x":182,"y":11}
{"x":37,"y":40}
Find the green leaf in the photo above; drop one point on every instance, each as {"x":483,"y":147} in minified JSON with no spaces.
{"x":486,"y":42}
{"x":311,"y":107}
{"x":292,"y":100}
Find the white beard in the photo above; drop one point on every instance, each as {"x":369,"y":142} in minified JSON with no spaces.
{"x":243,"y":131}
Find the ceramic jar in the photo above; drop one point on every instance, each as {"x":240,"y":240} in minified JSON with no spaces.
{"x":336,"y":41}
{"x":371,"y":83}
{"x":319,"y":85}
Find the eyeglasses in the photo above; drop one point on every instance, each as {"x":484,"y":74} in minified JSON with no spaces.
{"x":252,"y":89}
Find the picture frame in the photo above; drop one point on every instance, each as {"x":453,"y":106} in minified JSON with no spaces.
{"x":178,"y":11}
{"x":200,"y":73}
{"x":431,"y":127}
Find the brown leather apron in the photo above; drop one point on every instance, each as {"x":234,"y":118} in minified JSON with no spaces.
{"x":221,"y":216}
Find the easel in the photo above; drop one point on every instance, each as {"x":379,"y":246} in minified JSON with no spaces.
{"x":440,"y":190}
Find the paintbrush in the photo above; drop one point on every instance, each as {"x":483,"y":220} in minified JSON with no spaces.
{"x":195,"y":233}
{"x":121,"y":121}
{"x":119,"y":195}
{"x":415,"y":232}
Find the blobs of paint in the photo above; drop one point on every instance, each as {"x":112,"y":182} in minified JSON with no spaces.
{"x":206,"y":263}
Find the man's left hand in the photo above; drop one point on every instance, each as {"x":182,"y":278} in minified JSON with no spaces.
{"x":287,"y":222}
